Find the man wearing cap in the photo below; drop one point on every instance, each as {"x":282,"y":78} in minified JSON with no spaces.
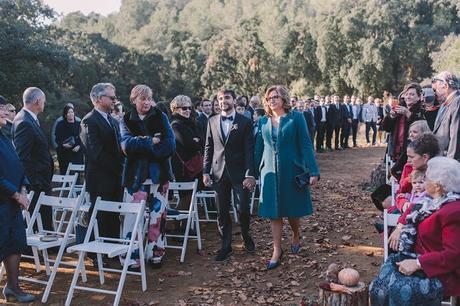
{"x":445,"y":86}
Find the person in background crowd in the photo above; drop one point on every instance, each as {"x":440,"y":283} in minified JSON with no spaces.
{"x":426,"y":268}
{"x":243,"y":100}
{"x":206,"y":107}
{"x":397,"y":123}
{"x":32,"y":147}
{"x":258,"y":113}
{"x":430,"y":106}
{"x":240,"y":108}
{"x":293,"y":102}
{"x":254,"y":103}
{"x":187,"y":162}
{"x":197,"y":106}
{"x":370,"y":117}
{"x":148,"y":142}
{"x":355,"y":119}
{"x":229,"y":166}
{"x":163,"y":106}
{"x":321,"y":125}
{"x":10,"y":113}
{"x":380,"y":112}
{"x":215,"y":106}
{"x":67,"y":137}
{"x":12,"y":200}
{"x":117,"y":112}
{"x":53,"y":128}
{"x":100,"y":136}
{"x":447,"y":123}
{"x":334,"y":122}
{"x":283,"y":153}
{"x":310,"y":117}
{"x":346,"y":122}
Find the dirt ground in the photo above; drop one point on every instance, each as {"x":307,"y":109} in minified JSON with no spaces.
{"x":340,"y":231}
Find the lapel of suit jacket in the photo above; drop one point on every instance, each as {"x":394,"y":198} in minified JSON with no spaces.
{"x":233,"y":127}
{"x":35,"y":124}
{"x":217,"y":128}
{"x":443,"y":110}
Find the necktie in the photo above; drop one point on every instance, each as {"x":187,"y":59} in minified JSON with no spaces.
{"x":37,"y":122}
{"x":227,"y":118}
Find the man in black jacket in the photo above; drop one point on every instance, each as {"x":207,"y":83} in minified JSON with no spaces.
{"x":229,"y":166}
{"x":347,"y":113}
{"x":32,"y":147}
{"x":321,"y":122}
{"x":100,"y":135}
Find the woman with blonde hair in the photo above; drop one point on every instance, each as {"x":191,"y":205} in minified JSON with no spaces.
{"x":287,"y":166}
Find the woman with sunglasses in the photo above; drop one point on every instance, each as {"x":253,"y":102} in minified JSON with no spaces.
{"x":187,"y":162}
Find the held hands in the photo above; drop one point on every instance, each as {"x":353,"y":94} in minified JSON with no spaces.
{"x":207,"y":180}
{"x":76,"y":149}
{"x":313,"y":180}
{"x":156,"y":140}
{"x":403,"y":111}
{"x":408,"y":266}
{"x":249,"y":183}
{"x":67,"y":146}
{"x":21,"y":199}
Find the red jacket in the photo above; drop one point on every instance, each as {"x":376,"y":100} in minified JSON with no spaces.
{"x":438,"y":243}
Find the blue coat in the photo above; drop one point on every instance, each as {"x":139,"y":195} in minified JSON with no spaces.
{"x":280,"y":196}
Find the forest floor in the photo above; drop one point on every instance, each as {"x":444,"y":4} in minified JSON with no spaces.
{"x":339,"y":231}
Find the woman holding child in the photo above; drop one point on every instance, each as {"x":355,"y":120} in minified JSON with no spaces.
{"x":426,"y":268}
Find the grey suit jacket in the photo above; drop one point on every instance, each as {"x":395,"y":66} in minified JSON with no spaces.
{"x":446,"y":127}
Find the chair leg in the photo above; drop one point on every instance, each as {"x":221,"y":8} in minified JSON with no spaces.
{"x":2,"y":271}
{"x":100,"y":267}
{"x":184,"y":244}
{"x":47,"y":261}
{"x":75,"y":278}
{"x":36,"y":260}
{"x":197,"y":227}
{"x":53,"y":275}
{"x":122,"y":280}
{"x":142,"y":260}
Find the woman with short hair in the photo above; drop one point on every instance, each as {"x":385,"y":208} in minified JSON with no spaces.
{"x":427,"y":266}
{"x":286,"y":162}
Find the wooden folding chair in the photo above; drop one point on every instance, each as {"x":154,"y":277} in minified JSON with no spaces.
{"x":191,"y":215}
{"x":111,"y":247}
{"x":45,"y":239}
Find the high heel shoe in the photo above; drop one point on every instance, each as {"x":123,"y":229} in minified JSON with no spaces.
{"x":8,"y":294}
{"x":295,"y":248}
{"x":274,"y":264}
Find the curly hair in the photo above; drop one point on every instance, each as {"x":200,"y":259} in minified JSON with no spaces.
{"x":427,"y":144}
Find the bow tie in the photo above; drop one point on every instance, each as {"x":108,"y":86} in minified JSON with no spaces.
{"x":227,"y":118}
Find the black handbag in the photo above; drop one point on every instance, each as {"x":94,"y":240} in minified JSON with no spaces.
{"x":302,"y":180}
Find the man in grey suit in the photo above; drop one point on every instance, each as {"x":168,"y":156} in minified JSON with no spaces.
{"x":32,"y":147}
{"x":445,"y":86}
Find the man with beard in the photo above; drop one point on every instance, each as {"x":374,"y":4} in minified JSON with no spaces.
{"x":229,"y":166}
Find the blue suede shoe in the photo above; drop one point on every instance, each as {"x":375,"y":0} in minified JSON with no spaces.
{"x":295,"y":248}
{"x":274,"y":264}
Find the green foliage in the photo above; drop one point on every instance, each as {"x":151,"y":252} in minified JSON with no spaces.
{"x":448,"y":57}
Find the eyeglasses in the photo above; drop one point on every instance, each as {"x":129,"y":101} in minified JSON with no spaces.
{"x":273,"y":98}
{"x":435,"y":79}
{"x":186,"y":108}
{"x":113,"y":98}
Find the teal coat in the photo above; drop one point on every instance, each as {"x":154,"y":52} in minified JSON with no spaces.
{"x":280,"y":196}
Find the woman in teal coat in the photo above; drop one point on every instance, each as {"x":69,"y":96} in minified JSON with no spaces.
{"x":284,"y":153}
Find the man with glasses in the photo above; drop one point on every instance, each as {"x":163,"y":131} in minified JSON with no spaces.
{"x":229,"y":167}
{"x":100,"y":137}
{"x":447,"y":123}
{"x":10,"y":113}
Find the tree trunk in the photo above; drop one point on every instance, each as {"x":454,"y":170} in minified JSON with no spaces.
{"x":359,"y":297}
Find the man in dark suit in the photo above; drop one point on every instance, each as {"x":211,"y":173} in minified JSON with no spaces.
{"x":346,"y":122}
{"x":333,"y":123}
{"x":229,"y":166}
{"x":100,"y":136}
{"x":320,"y":118}
{"x":32,"y":147}
{"x":206,"y":112}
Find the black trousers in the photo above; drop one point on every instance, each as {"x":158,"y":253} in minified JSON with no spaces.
{"x":329,"y":132}
{"x":224,"y":190}
{"x":320,"y":132}
{"x":372,"y":125}
{"x":107,"y":222}
{"x":345,"y":134}
{"x":354,"y":128}
{"x":45,"y":211}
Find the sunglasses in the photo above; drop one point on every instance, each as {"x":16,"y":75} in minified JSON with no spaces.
{"x":113,"y":98}
{"x":186,"y":108}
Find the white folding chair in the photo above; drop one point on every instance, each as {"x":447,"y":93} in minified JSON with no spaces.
{"x":452,"y":301}
{"x":76,"y":168}
{"x":253,"y":196}
{"x":60,"y":238}
{"x":111,"y":247}
{"x":389,"y":219}
{"x":191,"y":215}
{"x":66,"y":189}
{"x":202,"y":198}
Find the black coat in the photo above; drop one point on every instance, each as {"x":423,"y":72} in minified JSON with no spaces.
{"x":103,"y":162}
{"x":334,"y":115}
{"x":32,"y":147}
{"x":185,"y":129}
{"x":235,"y":154}
{"x":64,"y":131}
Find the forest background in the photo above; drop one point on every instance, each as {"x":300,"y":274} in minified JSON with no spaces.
{"x":194,"y":47}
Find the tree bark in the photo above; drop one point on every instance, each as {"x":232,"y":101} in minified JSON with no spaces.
{"x":358,"y":297}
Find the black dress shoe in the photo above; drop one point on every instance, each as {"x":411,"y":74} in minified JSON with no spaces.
{"x":223,"y":255}
{"x":249,"y":245}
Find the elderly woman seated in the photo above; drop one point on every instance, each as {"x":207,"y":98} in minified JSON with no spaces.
{"x":427,"y":266}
